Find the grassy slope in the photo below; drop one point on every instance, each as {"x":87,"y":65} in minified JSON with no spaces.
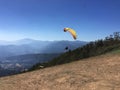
{"x":115,"y":51}
{"x":95,"y":73}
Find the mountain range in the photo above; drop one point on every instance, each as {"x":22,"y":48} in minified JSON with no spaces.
{"x":21,"y":55}
{"x":29,"y":46}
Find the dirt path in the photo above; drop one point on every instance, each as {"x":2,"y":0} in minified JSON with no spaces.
{"x":96,"y":73}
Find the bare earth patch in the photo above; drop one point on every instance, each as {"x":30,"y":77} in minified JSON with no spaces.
{"x":95,"y":73}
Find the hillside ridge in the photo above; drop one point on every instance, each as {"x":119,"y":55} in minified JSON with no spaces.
{"x":96,"y":73}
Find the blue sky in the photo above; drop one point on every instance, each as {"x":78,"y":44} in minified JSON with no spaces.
{"x":45,"y":19}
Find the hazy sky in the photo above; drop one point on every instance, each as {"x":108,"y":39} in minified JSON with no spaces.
{"x":45,"y":19}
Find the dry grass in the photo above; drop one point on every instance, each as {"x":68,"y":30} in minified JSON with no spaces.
{"x":96,"y":73}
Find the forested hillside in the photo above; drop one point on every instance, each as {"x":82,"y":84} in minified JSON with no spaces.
{"x":98,"y":47}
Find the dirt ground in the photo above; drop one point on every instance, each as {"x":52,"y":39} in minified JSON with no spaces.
{"x":95,"y":73}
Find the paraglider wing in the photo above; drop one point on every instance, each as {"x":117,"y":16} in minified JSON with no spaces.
{"x":73,"y":33}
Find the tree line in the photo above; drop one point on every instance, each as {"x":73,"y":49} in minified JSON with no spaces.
{"x":94,"y":48}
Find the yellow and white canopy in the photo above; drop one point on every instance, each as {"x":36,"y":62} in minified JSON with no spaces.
{"x":72,"y":32}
